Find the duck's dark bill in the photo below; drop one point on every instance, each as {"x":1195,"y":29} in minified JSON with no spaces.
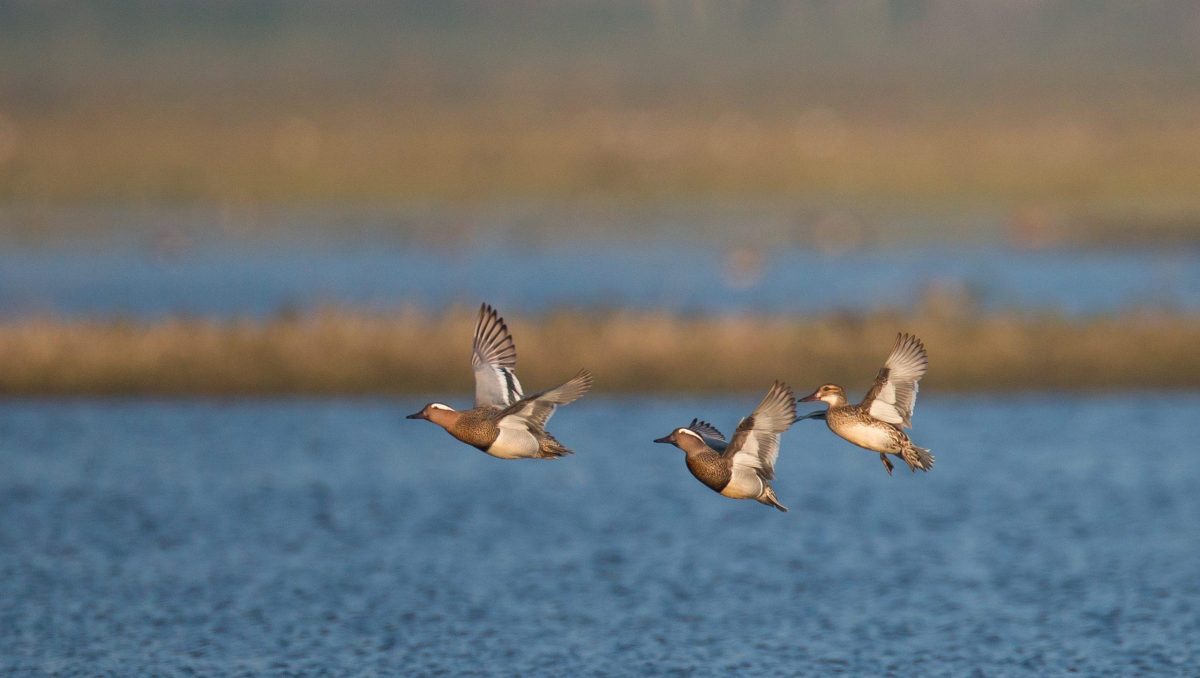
{"x":416,"y":415}
{"x":808,"y":398}
{"x":664,"y":439}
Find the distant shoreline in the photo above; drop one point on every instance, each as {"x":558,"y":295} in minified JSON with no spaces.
{"x":342,"y":352}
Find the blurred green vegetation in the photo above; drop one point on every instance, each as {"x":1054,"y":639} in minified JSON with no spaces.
{"x":1081,"y":118}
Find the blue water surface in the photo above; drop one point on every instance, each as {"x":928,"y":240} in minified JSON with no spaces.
{"x":256,"y":280}
{"x":1054,"y":535}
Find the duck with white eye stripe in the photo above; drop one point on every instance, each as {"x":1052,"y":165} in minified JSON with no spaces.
{"x":505,"y":423}
{"x":744,"y":467}
{"x":876,"y":423}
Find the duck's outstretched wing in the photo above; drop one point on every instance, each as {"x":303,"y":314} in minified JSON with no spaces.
{"x":494,"y":360}
{"x":710,"y":434}
{"x":894,"y":394}
{"x":755,"y":443}
{"x":536,"y":410}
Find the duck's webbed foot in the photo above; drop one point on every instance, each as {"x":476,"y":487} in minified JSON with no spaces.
{"x":887,"y":463}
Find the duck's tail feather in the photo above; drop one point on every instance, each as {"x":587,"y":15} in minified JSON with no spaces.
{"x":768,"y":497}
{"x":551,"y":448}
{"x":916,"y":458}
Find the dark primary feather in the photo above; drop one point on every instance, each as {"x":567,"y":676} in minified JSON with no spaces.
{"x":538,"y":407}
{"x":494,"y":361}
{"x":710,"y":434}
{"x":493,"y":345}
{"x":706,"y":430}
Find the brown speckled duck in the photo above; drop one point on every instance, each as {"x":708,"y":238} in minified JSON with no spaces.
{"x":744,"y":467}
{"x":505,"y":423}
{"x":877,"y":422}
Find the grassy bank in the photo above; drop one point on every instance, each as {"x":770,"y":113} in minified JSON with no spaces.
{"x":337,"y":352}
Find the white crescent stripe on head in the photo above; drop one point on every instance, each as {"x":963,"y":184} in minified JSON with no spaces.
{"x":690,"y":433}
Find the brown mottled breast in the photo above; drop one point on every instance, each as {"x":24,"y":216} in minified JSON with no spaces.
{"x":477,"y":427}
{"x":710,"y":468}
{"x":855,"y":414}
{"x":844,"y":416}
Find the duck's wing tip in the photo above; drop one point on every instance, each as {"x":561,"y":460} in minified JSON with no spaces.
{"x":494,"y":361}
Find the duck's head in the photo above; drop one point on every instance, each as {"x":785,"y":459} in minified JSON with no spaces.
{"x":831,"y":394}
{"x":438,"y":413}
{"x":685,"y":439}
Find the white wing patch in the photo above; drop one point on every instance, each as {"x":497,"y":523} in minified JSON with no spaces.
{"x":884,"y":408}
{"x":755,"y":444}
{"x":494,"y":361}
{"x":897,"y":397}
{"x":539,"y":407}
{"x":747,"y":456}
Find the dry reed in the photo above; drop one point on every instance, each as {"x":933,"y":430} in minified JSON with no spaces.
{"x":340,"y":352}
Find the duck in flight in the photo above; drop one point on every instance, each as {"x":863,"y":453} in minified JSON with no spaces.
{"x":505,"y":423}
{"x":877,"y":422}
{"x":742,"y":468}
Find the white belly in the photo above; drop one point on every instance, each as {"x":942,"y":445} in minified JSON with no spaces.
{"x":871,"y":437}
{"x":514,"y":442}
{"x":744,"y":484}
